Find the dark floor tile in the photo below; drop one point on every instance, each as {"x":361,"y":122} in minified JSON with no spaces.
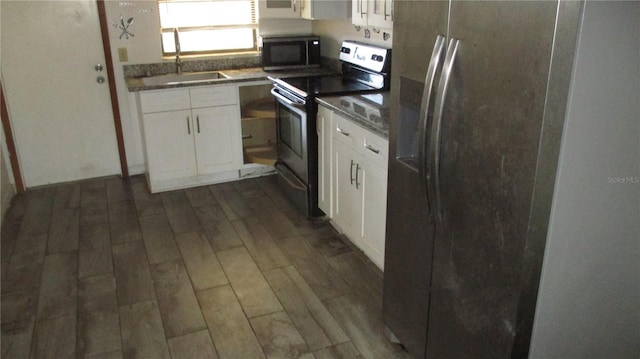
{"x":217,"y":228}
{"x":158,"y":238}
{"x":254,"y":293}
{"x":55,"y":338}
{"x":142,"y":333}
{"x":327,"y":242}
{"x":59,"y":288}
{"x":97,"y":294}
{"x":94,"y":250}
{"x":93,"y":204}
{"x":123,"y":221}
{"x":269,"y":185}
{"x":232,"y":335}
{"x":200,"y":196}
{"x":340,"y":351}
{"x":179,"y":211}
{"x":17,"y":344}
{"x":31,"y":243}
{"x":118,"y":189}
{"x":64,"y":230}
{"x":67,"y":196}
{"x":133,"y":278}
{"x":230,"y":201}
{"x":316,"y":325}
{"x":201,"y":262}
{"x":37,"y":216}
{"x":98,"y":333}
{"x":146,"y":203}
{"x":314,"y":268}
{"x":18,"y":311}
{"x":24,"y":273}
{"x":364,"y":278}
{"x":364,"y":326}
{"x":278,"y":336}
{"x":249,"y":189}
{"x":176,"y":299}
{"x":274,"y":220}
{"x":260,"y":244}
{"x":113,"y":355}
{"x":196,"y":345}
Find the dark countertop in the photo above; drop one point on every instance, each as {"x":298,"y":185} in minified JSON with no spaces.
{"x":371,"y":111}
{"x":235,"y":75}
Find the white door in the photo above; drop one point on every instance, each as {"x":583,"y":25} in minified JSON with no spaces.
{"x":61,"y":115}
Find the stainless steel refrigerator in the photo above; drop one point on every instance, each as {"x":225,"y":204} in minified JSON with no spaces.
{"x":480,"y":94}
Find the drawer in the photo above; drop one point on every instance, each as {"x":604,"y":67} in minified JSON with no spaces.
{"x":376,"y":149}
{"x":214,"y":96}
{"x":347,"y":132}
{"x":164,"y":100}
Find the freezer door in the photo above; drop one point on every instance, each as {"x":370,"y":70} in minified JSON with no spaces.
{"x":490,"y":133}
{"x":409,"y":233}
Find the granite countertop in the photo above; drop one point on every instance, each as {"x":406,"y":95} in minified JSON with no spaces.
{"x":371,"y":111}
{"x":234,"y":75}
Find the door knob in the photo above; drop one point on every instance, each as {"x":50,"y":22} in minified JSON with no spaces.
{"x":100,"y":79}
{"x":98,"y":67}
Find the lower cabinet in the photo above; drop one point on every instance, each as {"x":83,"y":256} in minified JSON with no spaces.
{"x":193,"y":140}
{"x":358,"y":183}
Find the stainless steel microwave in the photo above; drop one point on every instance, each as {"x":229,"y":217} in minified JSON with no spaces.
{"x":290,"y":51}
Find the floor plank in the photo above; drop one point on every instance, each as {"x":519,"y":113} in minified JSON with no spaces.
{"x":260,"y":244}
{"x":179,"y":211}
{"x":158,"y":239}
{"x":253,"y":291}
{"x":58,"y":292}
{"x":231,"y":201}
{"x":278,"y":336}
{"x":94,"y":251}
{"x":176,"y":300}
{"x":55,"y":338}
{"x":133,"y":278}
{"x":64,"y":231}
{"x":142,"y":333}
{"x":196,"y":345}
{"x":201,"y":262}
{"x":217,"y":228}
{"x":230,"y":329}
{"x":123,"y":220}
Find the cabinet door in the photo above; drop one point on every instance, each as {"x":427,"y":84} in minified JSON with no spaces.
{"x":359,"y":12}
{"x":325,"y":9}
{"x":347,"y":196}
{"x":324,"y":160}
{"x":169,"y":145}
{"x":374,"y":211}
{"x":217,"y":139}
{"x":380,"y":13}
{"x":278,"y":9}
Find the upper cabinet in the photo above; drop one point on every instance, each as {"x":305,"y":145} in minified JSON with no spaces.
{"x":373,"y":13}
{"x":279,"y":9}
{"x":304,"y":9}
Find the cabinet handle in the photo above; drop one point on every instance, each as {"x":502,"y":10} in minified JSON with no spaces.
{"x":361,"y":13}
{"x":351,"y":172}
{"x":188,"y":126}
{"x":357,"y":169}
{"x":372,"y":149}
{"x":294,"y":5}
{"x":198,"y":123}
{"x":341,"y":131}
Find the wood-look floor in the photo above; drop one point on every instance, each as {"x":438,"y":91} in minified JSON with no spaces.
{"x":104,"y":269}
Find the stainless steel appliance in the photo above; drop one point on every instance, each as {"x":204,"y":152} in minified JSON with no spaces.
{"x":365,"y":68}
{"x":480,"y":95}
{"x":280,"y":52}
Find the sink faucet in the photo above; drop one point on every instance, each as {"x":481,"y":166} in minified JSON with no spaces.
{"x":176,"y":38}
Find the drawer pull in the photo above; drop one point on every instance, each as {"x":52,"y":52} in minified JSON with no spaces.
{"x":341,"y":131}
{"x":371,"y":149}
{"x":188,"y":126}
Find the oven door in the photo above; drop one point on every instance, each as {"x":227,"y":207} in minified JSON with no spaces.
{"x":291,"y":123}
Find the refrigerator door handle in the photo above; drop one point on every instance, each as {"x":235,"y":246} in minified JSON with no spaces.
{"x":434,"y":65}
{"x":436,"y":125}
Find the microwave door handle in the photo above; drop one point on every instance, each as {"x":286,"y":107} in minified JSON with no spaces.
{"x":277,"y":95}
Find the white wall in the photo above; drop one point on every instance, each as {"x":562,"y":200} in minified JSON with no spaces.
{"x":333,"y":32}
{"x":589,"y":298}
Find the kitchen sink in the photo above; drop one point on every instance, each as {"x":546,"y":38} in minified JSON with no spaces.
{"x":185,"y":77}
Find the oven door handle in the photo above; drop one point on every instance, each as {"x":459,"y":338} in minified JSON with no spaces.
{"x":286,"y":174}
{"x":276,"y":92}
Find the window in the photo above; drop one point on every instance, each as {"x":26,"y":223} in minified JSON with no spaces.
{"x":208,"y":26}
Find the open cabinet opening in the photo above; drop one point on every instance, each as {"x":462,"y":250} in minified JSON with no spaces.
{"x":258,"y":124}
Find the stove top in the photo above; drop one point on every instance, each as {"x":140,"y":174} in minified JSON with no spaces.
{"x":308,"y":87}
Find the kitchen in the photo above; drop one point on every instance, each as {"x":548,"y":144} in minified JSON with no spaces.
{"x":332,"y":32}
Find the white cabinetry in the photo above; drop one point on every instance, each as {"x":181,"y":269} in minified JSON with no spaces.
{"x":192,"y":136}
{"x":357,"y":169}
{"x":305,"y":9}
{"x":373,"y":13}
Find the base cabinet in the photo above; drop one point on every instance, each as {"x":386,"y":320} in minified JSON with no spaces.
{"x":192,"y":136}
{"x":355,"y":176}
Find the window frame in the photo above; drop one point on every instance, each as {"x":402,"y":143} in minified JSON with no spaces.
{"x":253,"y":26}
